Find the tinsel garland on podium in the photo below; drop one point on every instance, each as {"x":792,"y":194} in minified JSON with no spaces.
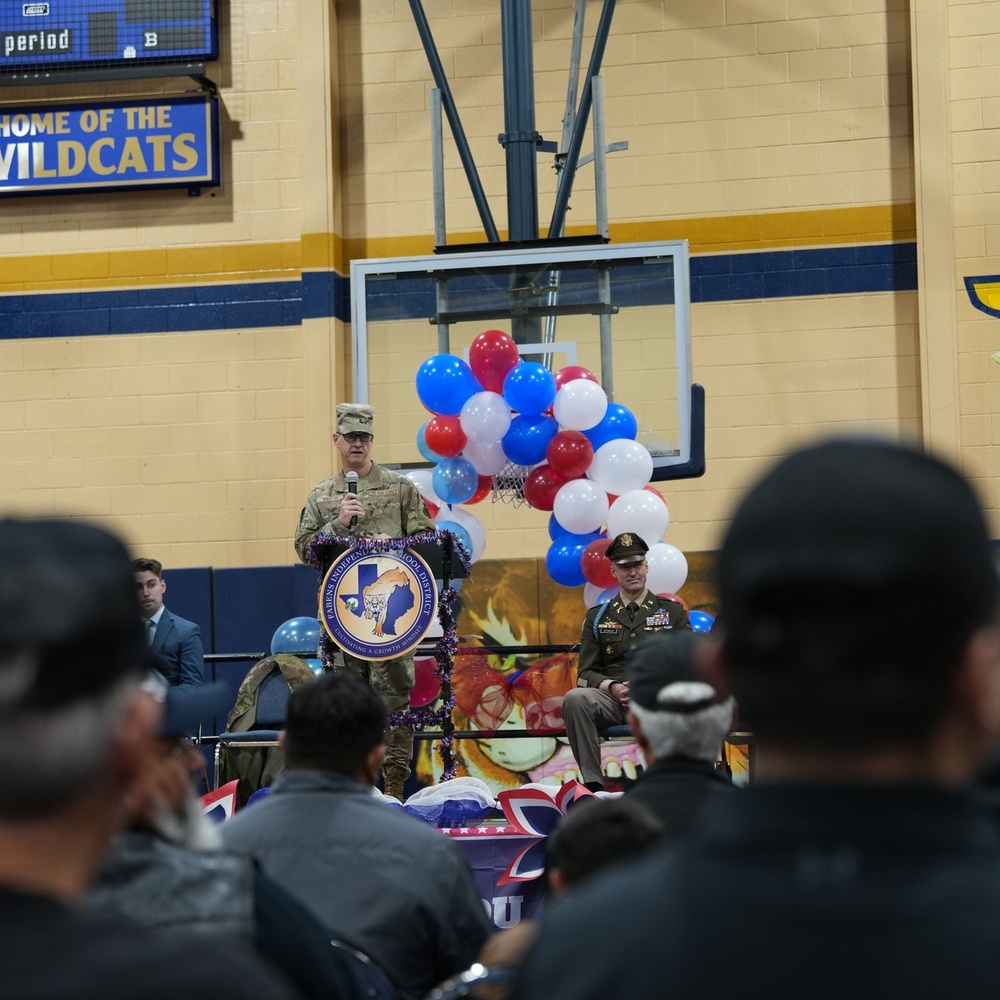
{"x":444,"y":652}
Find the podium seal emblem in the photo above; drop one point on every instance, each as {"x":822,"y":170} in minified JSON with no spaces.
{"x":378,"y":605}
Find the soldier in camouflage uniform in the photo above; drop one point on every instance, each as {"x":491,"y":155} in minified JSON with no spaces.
{"x":386,"y":506}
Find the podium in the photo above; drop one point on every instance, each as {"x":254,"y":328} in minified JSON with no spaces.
{"x":445,"y":565}
{"x":441,"y":558}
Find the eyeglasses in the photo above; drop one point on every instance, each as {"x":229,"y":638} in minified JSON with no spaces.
{"x":354,"y":438}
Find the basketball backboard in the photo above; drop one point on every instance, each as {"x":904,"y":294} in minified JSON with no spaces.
{"x":621,"y":311}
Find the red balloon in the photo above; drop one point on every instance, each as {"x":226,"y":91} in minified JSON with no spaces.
{"x":541,"y":487}
{"x":571,"y":372}
{"x":491,"y":356}
{"x":432,"y":508}
{"x":570,"y":453}
{"x":427,"y":684}
{"x":654,"y":491}
{"x":444,"y":436}
{"x":674,"y":597}
{"x":596,"y":565}
{"x":482,"y":490}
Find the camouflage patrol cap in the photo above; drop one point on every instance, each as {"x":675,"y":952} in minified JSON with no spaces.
{"x":627,"y":549}
{"x":355,"y":418}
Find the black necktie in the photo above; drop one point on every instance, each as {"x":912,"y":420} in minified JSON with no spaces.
{"x":633,"y":610}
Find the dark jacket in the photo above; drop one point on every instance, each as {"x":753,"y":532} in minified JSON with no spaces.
{"x":608,"y":635}
{"x":220,"y":894}
{"x":377,"y":878}
{"x":788,"y":892}
{"x":676,"y":789}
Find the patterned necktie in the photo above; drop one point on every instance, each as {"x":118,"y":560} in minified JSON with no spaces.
{"x":633,"y":610}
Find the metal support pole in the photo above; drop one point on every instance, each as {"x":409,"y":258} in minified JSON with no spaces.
{"x":440,"y":227}
{"x":437,"y":169}
{"x":464,"y":153}
{"x":604,"y":274}
{"x":520,"y":140}
{"x":573,"y":82}
{"x":579,"y":126}
{"x":569,"y":117}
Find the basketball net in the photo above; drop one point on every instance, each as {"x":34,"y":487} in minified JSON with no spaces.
{"x":508,"y":485}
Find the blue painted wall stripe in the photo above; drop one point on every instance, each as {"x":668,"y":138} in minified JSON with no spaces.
{"x":889,"y":267}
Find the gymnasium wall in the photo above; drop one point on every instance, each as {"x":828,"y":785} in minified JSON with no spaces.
{"x":170,"y":364}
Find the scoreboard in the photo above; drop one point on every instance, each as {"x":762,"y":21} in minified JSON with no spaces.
{"x":105,"y":34}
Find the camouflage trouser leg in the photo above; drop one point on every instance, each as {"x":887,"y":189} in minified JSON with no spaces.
{"x":392,"y":680}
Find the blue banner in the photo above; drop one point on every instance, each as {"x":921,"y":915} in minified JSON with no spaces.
{"x":142,"y":142}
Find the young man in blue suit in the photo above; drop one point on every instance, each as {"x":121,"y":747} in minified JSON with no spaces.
{"x":174,"y":641}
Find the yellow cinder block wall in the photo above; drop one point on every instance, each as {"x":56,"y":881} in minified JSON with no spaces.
{"x":750,"y":128}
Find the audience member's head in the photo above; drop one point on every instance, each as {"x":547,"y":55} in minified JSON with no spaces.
{"x":673,"y":712}
{"x":164,"y":798}
{"x":72,"y":653}
{"x":596,"y":835}
{"x":858,"y":590}
{"x":149,"y":585}
{"x":335,"y":723}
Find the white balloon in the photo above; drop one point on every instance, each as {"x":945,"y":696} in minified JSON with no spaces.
{"x":580,"y":405}
{"x":668,"y":568}
{"x":594,"y":595}
{"x":488,"y":459}
{"x":641,"y":512}
{"x":472,"y":525}
{"x":423,"y":479}
{"x":621,"y":465}
{"x":580,"y":506}
{"x":485,"y":418}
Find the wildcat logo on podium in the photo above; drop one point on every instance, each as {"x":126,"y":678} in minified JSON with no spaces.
{"x":378,"y":605}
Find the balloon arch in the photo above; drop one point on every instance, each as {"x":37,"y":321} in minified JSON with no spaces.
{"x":577,"y":449}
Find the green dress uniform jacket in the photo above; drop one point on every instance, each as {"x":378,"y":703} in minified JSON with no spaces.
{"x":608,"y":635}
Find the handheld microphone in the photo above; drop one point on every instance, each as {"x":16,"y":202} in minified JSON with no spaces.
{"x":352,"y":487}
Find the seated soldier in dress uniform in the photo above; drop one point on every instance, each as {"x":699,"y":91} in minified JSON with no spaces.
{"x":610,"y":631}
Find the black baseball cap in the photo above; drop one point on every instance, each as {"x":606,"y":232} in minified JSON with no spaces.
{"x":70,"y":625}
{"x":664,"y":659}
{"x":856,"y":550}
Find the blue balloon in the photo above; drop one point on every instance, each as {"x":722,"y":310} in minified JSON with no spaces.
{"x":529,"y":388}
{"x":455,"y":480}
{"x":556,"y":530}
{"x":618,"y":422}
{"x":444,"y":383}
{"x":701,"y":621}
{"x":563,"y":561}
{"x":456,"y":529}
{"x":298,"y":636}
{"x":261,"y":793}
{"x":316,"y":663}
{"x":455,"y":584}
{"x":431,"y":456}
{"x":528,"y":437}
